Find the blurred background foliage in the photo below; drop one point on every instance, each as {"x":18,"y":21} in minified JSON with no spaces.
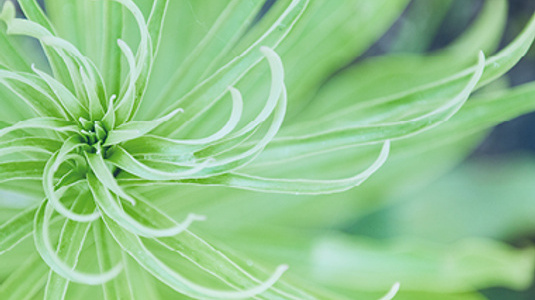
{"x":490,"y":193}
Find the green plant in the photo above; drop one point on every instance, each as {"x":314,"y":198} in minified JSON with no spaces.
{"x":120,"y":143}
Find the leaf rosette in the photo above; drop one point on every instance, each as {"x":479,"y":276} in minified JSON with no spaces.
{"x":91,"y":135}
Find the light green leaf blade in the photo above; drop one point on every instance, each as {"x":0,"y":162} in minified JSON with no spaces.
{"x":188,"y":244}
{"x":209,"y":91}
{"x":71,"y":241}
{"x":26,"y":282}
{"x":16,"y":229}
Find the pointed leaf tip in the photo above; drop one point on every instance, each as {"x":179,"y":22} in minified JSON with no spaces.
{"x":8,"y":11}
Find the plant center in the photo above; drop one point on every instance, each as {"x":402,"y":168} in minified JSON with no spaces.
{"x":94,"y":134}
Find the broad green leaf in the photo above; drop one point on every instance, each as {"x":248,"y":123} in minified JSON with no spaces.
{"x":421,"y":23}
{"x":13,"y":110}
{"x":453,"y":204}
{"x":142,"y":283}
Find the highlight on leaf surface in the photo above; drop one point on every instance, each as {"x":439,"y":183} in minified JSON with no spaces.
{"x":113,"y":107}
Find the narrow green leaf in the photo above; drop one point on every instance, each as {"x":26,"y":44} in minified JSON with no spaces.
{"x":110,"y":58}
{"x":71,"y":241}
{"x":135,"y":129}
{"x":124,"y":161}
{"x":33,"y":12}
{"x":112,"y":208}
{"x":71,"y":103}
{"x":44,"y":247}
{"x":156,"y":145}
{"x":44,"y":123}
{"x":116,"y":288}
{"x":144,"y":58}
{"x":337,"y":32}
{"x":133,"y":245}
{"x":338,"y":138}
{"x":11,"y":55}
{"x":21,"y":170}
{"x":16,"y":229}
{"x":207,"y":258}
{"x":155,"y":23}
{"x":53,"y":195}
{"x":209,"y":91}
{"x":231,"y":24}
{"x":392,"y":292}
{"x":29,"y":144}
{"x":485,"y":31}
{"x":105,"y":176}
{"x":127,"y":97}
{"x":32,"y":29}
{"x":34,"y":92}
{"x":25,"y":282}
{"x":90,"y":85}
{"x":286,"y":186}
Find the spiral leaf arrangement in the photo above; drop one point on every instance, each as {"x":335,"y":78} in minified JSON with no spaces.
{"x":86,"y":138}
